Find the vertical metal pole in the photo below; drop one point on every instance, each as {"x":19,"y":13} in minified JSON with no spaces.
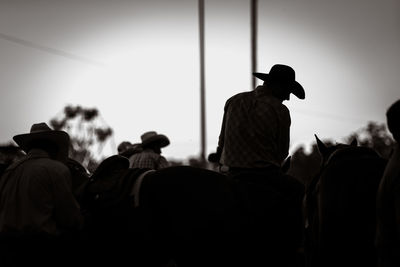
{"x":253,"y":19}
{"x":202,"y":82}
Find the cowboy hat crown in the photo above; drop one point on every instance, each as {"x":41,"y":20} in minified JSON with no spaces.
{"x":152,"y":136}
{"x":283,"y":74}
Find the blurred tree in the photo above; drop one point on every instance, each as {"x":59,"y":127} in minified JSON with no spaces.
{"x":88,"y":134}
{"x":306,"y":165}
{"x":375,"y":136}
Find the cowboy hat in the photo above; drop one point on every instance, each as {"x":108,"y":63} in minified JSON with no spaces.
{"x":41,"y":131}
{"x":110,"y":164}
{"x":152,"y":137}
{"x":284,"y":74}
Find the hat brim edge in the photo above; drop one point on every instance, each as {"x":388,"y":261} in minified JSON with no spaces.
{"x":297,"y":89}
{"x":162,"y":139}
{"x":60,"y":138}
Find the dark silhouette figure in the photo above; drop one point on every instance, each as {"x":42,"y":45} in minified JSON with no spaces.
{"x":188,"y":216}
{"x":255,"y":130}
{"x":80,"y":177}
{"x":253,"y":144}
{"x":127,"y":149}
{"x":310,"y":202}
{"x":38,"y":211}
{"x":388,"y":198}
{"x":150,"y":157}
{"x":112,"y":231}
{"x":8,"y":155}
{"x":341,"y":209}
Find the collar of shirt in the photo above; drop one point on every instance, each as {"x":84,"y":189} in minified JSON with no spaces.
{"x":37,"y":153}
{"x":261,"y":91}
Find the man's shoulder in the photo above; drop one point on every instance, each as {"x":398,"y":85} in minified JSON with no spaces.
{"x":240,"y":96}
{"x":46,"y":163}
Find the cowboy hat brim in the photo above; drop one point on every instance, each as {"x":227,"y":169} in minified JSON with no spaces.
{"x":295,"y":87}
{"x":59,"y":138}
{"x":162,"y":140}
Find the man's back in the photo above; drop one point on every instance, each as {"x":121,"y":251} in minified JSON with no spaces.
{"x":36,"y":197}
{"x":148,"y":159}
{"x":256,"y":130}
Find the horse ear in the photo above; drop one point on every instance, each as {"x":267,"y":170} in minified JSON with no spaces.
{"x":354,"y":142}
{"x":322,"y":148}
{"x":286,"y":164}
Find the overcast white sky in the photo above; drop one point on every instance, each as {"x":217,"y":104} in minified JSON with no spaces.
{"x":346,"y":54}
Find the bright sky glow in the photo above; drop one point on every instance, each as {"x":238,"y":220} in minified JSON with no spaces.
{"x":346,"y":55}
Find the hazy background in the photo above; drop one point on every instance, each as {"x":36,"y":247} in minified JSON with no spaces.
{"x":137,"y":62}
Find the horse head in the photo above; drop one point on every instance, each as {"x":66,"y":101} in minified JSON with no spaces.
{"x":341,"y":204}
{"x":326,"y":151}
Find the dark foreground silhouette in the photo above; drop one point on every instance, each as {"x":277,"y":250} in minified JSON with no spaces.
{"x":340,"y":207}
{"x":193,"y":217}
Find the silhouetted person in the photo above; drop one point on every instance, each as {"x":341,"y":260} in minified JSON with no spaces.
{"x":38,"y":211}
{"x":8,"y":155}
{"x":150,"y":157}
{"x":255,"y":131}
{"x":253,"y":144}
{"x":388,"y":198}
{"x":127,"y":149}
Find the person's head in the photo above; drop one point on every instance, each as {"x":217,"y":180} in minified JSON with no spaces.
{"x":393,"y":120}
{"x":281,"y":80}
{"x":127,"y":149}
{"x":41,"y":136}
{"x":10,"y":153}
{"x":154,"y":141}
{"x":123,"y":146}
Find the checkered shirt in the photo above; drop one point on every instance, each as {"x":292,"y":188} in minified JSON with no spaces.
{"x":255,"y":130}
{"x":148,"y":159}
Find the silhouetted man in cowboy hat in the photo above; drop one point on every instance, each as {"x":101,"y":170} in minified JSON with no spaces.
{"x":253,"y":144}
{"x":37,"y":206}
{"x":151,"y":157}
{"x":255,"y":131}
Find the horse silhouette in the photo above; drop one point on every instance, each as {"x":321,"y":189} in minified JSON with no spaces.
{"x":193,"y":217}
{"x":340,"y":206}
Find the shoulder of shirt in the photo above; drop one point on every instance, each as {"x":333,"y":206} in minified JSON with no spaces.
{"x":46,"y":162}
{"x":239,"y":96}
{"x":40,"y":164}
{"x":50,"y":164}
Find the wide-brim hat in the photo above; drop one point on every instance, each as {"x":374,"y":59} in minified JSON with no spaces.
{"x":154,"y":137}
{"x":42,"y":132}
{"x":109,"y":165}
{"x":285,"y":75}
